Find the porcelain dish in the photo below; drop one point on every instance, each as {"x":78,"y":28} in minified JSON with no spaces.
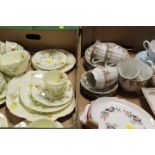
{"x":40,"y":123}
{"x":22,"y":105}
{"x":114,"y":113}
{"x":3,"y":121}
{"x":14,"y":63}
{"x":53,"y":59}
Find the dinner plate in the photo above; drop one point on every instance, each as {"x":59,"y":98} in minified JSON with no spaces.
{"x":149,"y":94}
{"x":14,"y":105}
{"x":3,"y":96}
{"x":37,"y":89}
{"x":70,"y":61}
{"x":3,"y":121}
{"x":118,"y":113}
{"x":143,"y":56}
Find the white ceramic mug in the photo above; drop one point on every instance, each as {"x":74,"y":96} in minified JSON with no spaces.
{"x":99,"y":52}
{"x":150,"y":48}
{"x":55,"y":82}
{"x":96,"y":78}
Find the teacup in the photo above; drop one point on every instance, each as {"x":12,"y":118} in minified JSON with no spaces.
{"x":96,"y":78}
{"x":150,"y":48}
{"x":99,"y":51}
{"x":55,"y":84}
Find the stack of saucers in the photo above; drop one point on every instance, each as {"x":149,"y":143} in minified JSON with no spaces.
{"x":3,"y":88}
{"x":100,"y":82}
{"x":39,"y":94}
{"x":51,"y":59}
{"x":102,"y":54}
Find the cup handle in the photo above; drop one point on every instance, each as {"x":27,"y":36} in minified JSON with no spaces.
{"x":96,"y":61}
{"x":146,"y":43}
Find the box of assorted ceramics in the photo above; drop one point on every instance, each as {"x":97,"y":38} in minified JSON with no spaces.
{"x":39,"y":76}
{"x":117,"y":78}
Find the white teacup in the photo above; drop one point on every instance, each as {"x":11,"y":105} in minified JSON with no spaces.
{"x":96,"y":78}
{"x":153,"y":69}
{"x":55,"y":82}
{"x":150,"y":48}
{"x":99,"y":52}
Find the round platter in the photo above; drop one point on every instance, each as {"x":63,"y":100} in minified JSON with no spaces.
{"x":68,"y":64}
{"x":118,"y":113}
{"x":14,"y":105}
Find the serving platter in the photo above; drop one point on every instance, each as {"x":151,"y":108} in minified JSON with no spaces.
{"x":117,"y":113}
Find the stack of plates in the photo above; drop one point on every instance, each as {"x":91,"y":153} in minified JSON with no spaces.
{"x":24,"y":98}
{"x":53,"y":59}
{"x":95,"y":93}
{"x":3,"y":89}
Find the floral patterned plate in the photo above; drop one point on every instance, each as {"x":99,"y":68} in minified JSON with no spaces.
{"x":49,"y":59}
{"x":14,"y":105}
{"x":114,"y":113}
{"x":149,"y":94}
{"x":68,"y":65}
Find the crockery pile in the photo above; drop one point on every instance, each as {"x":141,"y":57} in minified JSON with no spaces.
{"x":31,"y":99}
{"x":101,"y":54}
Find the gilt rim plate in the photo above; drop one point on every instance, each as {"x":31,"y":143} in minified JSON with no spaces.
{"x":114,"y":113}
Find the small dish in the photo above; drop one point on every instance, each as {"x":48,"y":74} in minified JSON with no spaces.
{"x":114,"y":113}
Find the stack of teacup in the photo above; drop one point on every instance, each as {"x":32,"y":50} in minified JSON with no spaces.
{"x":100,"y":82}
{"x":101,"y":54}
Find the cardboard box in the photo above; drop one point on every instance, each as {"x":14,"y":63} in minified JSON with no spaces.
{"x":35,"y":40}
{"x":130,"y":37}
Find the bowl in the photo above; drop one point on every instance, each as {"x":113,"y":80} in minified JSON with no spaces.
{"x":133,"y":74}
{"x":14,"y":63}
{"x":45,"y":123}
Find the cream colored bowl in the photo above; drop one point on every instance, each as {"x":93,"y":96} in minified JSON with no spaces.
{"x":14,"y":63}
{"x":45,"y":123}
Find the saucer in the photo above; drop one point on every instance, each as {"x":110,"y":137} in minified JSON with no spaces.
{"x":68,"y":60}
{"x":15,"y":106}
{"x":143,"y":56}
{"x":114,"y":113}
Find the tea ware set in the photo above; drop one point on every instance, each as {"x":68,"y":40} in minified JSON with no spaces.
{"x":40,"y":97}
{"x":108,"y":66}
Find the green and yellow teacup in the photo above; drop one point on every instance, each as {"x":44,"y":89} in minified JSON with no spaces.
{"x":55,"y":83}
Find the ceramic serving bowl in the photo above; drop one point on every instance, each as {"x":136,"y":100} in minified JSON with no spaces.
{"x":14,"y":63}
{"x":133,"y":74}
{"x":45,"y":123}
